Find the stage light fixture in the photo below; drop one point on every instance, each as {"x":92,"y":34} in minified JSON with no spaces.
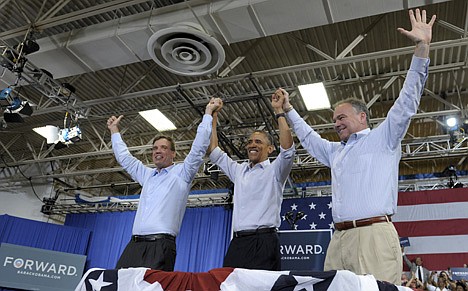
{"x":50,"y":132}
{"x":70,"y":135}
{"x":67,"y":90}
{"x":451,"y":173}
{"x":5,"y":97}
{"x":451,"y":122}
{"x":14,"y":59}
{"x":28,"y":46}
{"x":8,"y":60}
{"x":13,"y":106}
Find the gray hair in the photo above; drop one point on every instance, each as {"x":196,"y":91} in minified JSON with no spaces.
{"x":358,"y":105}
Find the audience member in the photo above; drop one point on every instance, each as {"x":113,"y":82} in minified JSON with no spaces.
{"x":449,"y":283}
{"x":441,"y":284}
{"x":461,"y":286}
{"x":415,"y":284}
{"x":417,"y":268}
{"x":404,"y":279}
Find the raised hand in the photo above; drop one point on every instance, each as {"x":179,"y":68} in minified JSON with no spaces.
{"x":214,"y":105}
{"x":113,"y":123}
{"x":421,"y":32}
{"x":280,"y":99}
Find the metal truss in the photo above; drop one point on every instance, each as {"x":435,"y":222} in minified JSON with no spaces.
{"x":219,"y":199}
{"x":414,"y":149}
{"x":51,"y":88}
{"x":27,"y":73}
{"x":421,"y":148}
{"x":411,"y":149}
{"x":132,"y":205}
{"x":433,"y":147}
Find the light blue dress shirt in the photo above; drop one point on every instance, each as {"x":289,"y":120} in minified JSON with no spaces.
{"x":164,"y":194}
{"x":258,"y":190}
{"x":365,"y":169}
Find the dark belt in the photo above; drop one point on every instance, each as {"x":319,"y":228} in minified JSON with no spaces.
{"x":243,"y":233}
{"x":362,"y":222}
{"x":152,"y":237}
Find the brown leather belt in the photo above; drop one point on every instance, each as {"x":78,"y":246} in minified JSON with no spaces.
{"x":362,"y":222}
{"x":152,"y":237}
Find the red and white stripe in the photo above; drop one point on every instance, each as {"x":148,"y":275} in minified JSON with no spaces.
{"x":436,"y":223}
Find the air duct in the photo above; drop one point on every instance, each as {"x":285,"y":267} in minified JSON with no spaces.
{"x":185,"y":49}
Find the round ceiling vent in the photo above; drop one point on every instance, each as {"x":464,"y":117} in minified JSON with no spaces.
{"x":186,"y":50}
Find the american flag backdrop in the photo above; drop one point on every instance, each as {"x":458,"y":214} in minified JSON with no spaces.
{"x":435,"y":221}
{"x":436,"y":224}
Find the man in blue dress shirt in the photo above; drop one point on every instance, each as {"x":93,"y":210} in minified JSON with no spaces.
{"x":258,"y":194}
{"x":364,"y":168}
{"x":163,"y":196}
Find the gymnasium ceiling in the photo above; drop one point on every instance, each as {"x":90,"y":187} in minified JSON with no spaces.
{"x":99,"y":47}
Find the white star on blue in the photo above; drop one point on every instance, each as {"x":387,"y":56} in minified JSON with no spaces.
{"x":317,"y":213}
{"x":99,"y":283}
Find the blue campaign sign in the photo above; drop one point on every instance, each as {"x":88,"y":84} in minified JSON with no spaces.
{"x":459,"y":273}
{"x":404,"y":242}
{"x":304,"y":249}
{"x":37,"y":269}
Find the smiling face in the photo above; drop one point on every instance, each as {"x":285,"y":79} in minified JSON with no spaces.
{"x":348,"y":121}
{"x":258,"y":147}
{"x":163,"y":155}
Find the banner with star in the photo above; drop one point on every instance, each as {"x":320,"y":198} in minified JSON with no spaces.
{"x":305,"y":232}
{"x":229,"y":279}
{"x":307,"y":213}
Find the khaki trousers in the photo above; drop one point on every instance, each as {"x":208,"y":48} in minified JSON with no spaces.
{"x":373,"y":249}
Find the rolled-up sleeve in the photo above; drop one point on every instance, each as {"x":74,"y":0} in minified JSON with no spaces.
{"x":225,"y":163}
{"x":285,"y":162}
{"x":200,"y":144}
{"x":132,"y":165}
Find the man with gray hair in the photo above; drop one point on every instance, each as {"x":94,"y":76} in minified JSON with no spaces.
{"x":364,"y":169}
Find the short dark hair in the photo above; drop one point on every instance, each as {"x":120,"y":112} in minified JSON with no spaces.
{"x":170,"y":139}
{"x":266,"y":134}
{"x":358,"y":105}
{"x":459,"y":283}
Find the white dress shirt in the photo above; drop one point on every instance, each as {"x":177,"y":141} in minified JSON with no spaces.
{"x":258,"y":190}
{"x":164,"y":194}
{"x":365,"y":169}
